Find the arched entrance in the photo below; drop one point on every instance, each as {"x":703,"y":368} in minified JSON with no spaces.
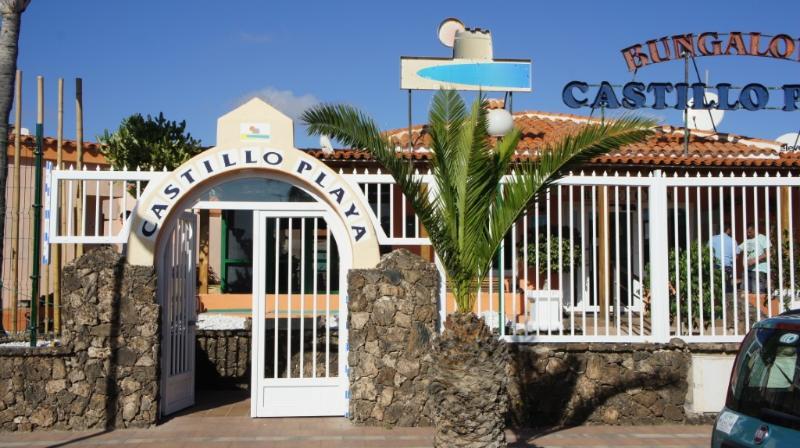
{"x":299,"y":303}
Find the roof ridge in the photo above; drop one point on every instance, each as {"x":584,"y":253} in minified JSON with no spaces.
{"x":560,"y":116}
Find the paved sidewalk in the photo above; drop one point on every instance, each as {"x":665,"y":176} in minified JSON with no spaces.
{"x":229,"y":432}
{"x":223,"y":422}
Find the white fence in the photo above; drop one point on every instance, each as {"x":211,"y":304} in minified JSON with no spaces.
{"x":93,"y":207}
{"x":597,"y":258}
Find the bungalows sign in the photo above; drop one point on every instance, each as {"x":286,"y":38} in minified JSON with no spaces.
{"x":662,"y":95}
{"x":781,"y":46}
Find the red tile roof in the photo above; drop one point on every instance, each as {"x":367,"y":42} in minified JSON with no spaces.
{"x":664,"y":149}
{"x":91,"y":150}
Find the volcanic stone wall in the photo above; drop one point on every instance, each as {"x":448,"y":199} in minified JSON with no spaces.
{"x":222,"y":358}
{"x":572,"y":384}
{"x":393,"y":314}
{"x":393,"y":320}
{"x":105,"y":373}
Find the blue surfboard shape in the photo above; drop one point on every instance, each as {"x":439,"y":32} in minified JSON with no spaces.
{"x":494,"y":74}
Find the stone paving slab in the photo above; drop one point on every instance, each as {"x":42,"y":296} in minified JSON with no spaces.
{"x":200,"y":431}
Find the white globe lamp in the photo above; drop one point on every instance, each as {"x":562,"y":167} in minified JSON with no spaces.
{"x":499,"y":122}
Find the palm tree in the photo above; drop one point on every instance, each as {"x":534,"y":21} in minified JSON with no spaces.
{"x":11,"y":11}
{"x":479,"y":191}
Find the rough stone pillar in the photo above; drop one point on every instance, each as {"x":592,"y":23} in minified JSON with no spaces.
{"x":393,"y":317}
{"x":112,"y":324}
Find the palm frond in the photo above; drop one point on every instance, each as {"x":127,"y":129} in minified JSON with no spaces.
{"x":478,"y":191}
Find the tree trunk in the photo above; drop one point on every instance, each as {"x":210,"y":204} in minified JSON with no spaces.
{"x":9,"y":38}
{"x":468,"y":384}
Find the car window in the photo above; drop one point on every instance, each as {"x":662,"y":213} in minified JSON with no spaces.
{"x":766,"y":379}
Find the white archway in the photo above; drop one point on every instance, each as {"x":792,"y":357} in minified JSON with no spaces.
{"x":175,"y":192}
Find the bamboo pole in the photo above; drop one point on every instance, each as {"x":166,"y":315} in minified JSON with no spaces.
{"x":15,"y":215}
{"x":79,"y":153}
{"x":57,"y":247}
{"x":37,"y":212}
{"x":204,"y":251}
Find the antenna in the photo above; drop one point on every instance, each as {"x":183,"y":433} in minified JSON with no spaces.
{"x":791,"y":139}
{"x":704,"y":119}
{"x":447,"y":31}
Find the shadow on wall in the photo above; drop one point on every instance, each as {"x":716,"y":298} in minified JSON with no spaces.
{"x":554,"y":386}
{"x":112,"y":398}
{"x":223,"y":357}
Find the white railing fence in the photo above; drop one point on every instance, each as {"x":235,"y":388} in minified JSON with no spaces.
{"x":93,"y":206}
{"x":733,"y":257}
{"x":598,"y":257}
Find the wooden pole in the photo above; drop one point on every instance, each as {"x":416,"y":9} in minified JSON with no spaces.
{"x":602,"y":226}
{"x":79,"y":153}
{"x":15,"y":206}
{"x":57,"y":247}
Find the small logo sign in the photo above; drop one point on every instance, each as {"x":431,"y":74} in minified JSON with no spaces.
{"x":726,"y":421}
{"x":254,"y":132}
{"x":789,"y":338}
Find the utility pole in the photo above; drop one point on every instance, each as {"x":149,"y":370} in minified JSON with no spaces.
{"x":686,"y":108}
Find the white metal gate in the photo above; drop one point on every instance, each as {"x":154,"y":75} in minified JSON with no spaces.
{"x":177,"y":296}
{"x":299,"y":314}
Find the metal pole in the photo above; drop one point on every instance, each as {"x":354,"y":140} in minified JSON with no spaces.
{"x":37,"y":209}
{"x":410,"y":143}
{"x":57,"y":254}
{"x":501,"y":279}
{"x":79,"y":160}
{"x":15,"y":208}
{"x":686,"y":108}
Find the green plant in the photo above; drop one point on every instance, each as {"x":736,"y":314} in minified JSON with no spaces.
{"x":148,"y":143}
{"x":689,"y":284}
{"x":468,"y":217}
{"x":781,"y":256}
{"x":555,"y":245}
{"x":466,"y":220}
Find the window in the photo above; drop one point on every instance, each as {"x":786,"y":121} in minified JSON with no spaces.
{"x":237,"y":251}
{"x":766,"y":379}
{"x":237,"y":225}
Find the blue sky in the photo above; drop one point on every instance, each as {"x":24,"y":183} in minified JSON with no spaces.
{"x":197,"y":59}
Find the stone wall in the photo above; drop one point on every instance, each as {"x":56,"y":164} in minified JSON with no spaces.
{"x":222,"y":359}
{"x":393,"y":314}
{"x":392,"y":323}
{"x":105,"y":373}
{"x":572,"y":384}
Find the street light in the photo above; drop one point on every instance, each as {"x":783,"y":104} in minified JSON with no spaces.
{"x":499,"y":122}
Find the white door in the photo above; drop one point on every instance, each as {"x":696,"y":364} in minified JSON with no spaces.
{"x":299,"y":314}
{"x":177,"y":292}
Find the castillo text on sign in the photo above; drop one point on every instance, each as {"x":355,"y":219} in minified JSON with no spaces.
{"x":663,"y":95}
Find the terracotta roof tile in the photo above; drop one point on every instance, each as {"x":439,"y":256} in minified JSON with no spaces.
{"x":91,"y":150}
{"x":664,"y":148}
